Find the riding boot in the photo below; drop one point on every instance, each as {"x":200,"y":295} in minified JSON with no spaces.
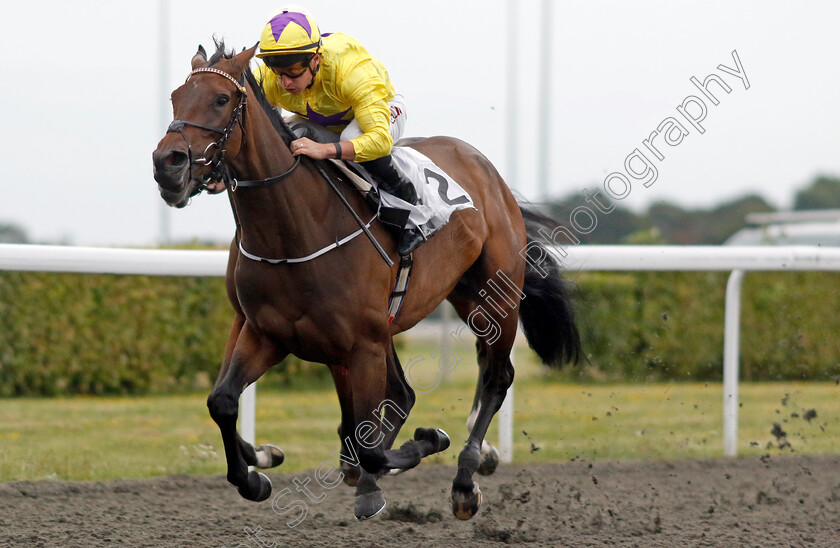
{"x":409,"y":241}
{"x":391,"y":179}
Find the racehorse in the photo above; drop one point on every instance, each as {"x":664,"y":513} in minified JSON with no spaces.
{"x":333,"y":309}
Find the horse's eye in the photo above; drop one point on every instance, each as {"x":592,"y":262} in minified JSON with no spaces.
{"x":222,"y":100}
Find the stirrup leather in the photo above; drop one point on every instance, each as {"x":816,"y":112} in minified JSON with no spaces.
{"x":400,"y":288}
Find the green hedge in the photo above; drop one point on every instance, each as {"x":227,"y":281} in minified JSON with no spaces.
{"x":102,"y":334}
{"x":67,"y":333}
{"x":662,"y":325}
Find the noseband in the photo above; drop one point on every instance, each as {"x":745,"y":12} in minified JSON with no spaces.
{"x":219,"y":170}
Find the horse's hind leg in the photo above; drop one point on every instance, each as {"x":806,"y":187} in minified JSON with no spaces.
{"x":265,"y":456}
{"x":251,"y":356}
{"x":495,"y":377}
{"x":400,"y":400}
{"x":489,"y":457}
{"x":399,"y":396}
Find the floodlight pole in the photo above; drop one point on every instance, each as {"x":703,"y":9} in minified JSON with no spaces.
{"x":165,"y":236}
{"x":505,"y":415}
{"x":544,"y":104}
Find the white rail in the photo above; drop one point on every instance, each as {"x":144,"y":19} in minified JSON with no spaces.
{"x":613,"y":258}
{"x":101,"y":260}
{"x":700,"y":258}
{"x":148,"y":262}
{"x":710,"y":258}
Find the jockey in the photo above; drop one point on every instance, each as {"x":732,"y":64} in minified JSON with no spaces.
{"x":332,"y":81}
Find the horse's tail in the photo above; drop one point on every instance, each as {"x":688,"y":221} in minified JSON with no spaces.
{"x":546,"y":312}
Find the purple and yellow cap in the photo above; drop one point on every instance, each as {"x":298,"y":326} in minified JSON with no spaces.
{"x":290,"y":31}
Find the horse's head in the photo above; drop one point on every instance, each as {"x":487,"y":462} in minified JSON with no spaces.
{"x":207,"y":108}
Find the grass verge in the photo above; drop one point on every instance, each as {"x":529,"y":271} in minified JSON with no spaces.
{"x":103,"y":438}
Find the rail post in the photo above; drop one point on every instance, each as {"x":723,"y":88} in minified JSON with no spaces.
{"x":731,"y":342}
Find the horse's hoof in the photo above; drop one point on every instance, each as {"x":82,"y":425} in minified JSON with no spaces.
{"x":269,"y":456}
{"x":350,"y":474}
{"x":465,"y":505}
{"x":445,"y":442}
{"x":369,"y":504}
{"x":489,"y":459}
{"x":437,"y":437}
{"x":257,"y":488}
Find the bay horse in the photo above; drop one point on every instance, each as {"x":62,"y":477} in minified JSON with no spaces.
{"x":333,"y":309}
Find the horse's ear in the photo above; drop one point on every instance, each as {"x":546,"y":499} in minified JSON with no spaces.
{"x":200,"y":58}
{"x":241,"y":60}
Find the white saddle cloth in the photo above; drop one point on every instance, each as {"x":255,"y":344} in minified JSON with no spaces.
{"x":438,"y":194}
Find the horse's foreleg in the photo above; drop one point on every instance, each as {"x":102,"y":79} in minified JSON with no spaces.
{"x":252,"y":356}
{"x":399,"y":399}
{"x":348,"y":462}
{"x":391,"y":413}
{"x":361,"y":385}
{"x":369,"y":500}
{"x":265,"y":456}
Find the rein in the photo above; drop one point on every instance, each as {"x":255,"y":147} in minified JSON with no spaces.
{"x":219,"y":170}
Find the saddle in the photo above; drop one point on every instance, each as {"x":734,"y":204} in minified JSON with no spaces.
{"x":356,"y":175}
{"x":360,"y":179}
{"x":438,"y":195}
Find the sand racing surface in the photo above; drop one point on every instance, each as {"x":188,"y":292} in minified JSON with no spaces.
{"x":769,"y":501}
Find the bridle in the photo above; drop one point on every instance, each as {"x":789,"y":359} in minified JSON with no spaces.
{"x":219,"y":169}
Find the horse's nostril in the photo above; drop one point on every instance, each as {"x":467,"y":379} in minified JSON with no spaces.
{"x":169,"y":168}
{"x":175,"y":160}
{"x":171,"y":161}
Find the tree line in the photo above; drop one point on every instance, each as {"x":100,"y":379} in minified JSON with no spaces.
{"x":669,"y":223}
{"x":662,"y":223}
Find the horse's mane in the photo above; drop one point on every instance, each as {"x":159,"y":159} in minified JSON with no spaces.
{"x":221,"y":52}
{"x":274,"y":117}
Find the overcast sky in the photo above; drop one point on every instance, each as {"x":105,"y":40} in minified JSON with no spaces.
{"x":81,"y":98}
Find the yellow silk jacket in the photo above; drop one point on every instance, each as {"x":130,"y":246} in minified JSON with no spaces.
{"x":350,"y":83}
